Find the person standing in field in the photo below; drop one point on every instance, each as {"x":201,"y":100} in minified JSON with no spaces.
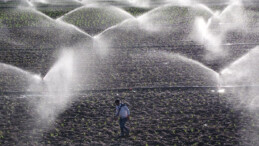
{"x":122,"y":111}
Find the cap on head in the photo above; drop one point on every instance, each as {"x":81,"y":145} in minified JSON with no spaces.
{"x":117,"y":101}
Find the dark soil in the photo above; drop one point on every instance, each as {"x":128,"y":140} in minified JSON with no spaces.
{"x":177,"y":116}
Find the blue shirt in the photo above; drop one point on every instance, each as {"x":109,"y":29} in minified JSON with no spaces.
{"x":124,"y":111}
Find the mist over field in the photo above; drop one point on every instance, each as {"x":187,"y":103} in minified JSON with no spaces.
{"x":187,"y":69}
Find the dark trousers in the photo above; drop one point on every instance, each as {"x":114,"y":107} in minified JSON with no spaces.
{"x":122,"y":123}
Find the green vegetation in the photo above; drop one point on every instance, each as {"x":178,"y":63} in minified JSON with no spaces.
{"x":55,"y":12}
{"x":95,"y":20}
{"x":9,"y":4}
{"x":136,"y":11}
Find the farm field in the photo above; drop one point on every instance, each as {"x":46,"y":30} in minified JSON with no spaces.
{"x":180,"y":116}
{"x":187,"y":70}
